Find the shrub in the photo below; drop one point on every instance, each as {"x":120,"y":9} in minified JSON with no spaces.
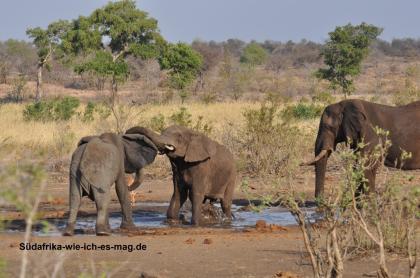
{"x":38,"y":111}
{"x":202,"y":126}
{"x":89,"y":111}
{"x":65,"y":108}
{"x":303,"y":111}
{"x":157,"y":122}
{"x":95,"y":111}
{"x":265,"y":145}
{"x":182,"y":118}
{"x":17,"y":94}
{"x":103,"y":111}
{"x":324,"y":97}
{"x":51,"y":110}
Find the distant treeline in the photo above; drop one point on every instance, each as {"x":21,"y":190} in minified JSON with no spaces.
{"x":20,"y":57}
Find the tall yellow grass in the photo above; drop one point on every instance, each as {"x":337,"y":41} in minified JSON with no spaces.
{"x":47,"y":136}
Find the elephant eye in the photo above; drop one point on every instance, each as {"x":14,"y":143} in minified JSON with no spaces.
{"x":329,"y":127}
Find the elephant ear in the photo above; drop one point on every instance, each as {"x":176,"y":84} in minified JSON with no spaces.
{"x":354,"y":123}
{"x":139,"y":151}
{"x":85,"y":140}
{"x":199,"y":148}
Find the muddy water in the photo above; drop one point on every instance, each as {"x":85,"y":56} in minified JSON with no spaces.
{"x":153,"y":215}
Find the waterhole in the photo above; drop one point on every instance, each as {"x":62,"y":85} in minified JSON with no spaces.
{"x":153,"y":215}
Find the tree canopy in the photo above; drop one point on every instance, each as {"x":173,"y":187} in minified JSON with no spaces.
{"x":183,"y":64}
{"x":47,"y":41}
{"x":344,"y":52}
{"x":254,"y":54}
{"x":109,"y":35}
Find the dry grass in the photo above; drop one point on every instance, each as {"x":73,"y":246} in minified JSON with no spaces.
{"x":48,"y":136}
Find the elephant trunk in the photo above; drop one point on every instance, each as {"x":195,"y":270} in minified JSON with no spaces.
{"x":138,"y":180}
{"x":320,"y":169}
{"x":323,"y":147}
{"x":153,"y":136}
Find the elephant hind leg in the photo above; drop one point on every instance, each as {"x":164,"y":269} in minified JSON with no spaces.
{"x":74,"y":202}
{"x":226,"y":202}
{"x":122,"y":193}
{"x":102,"y":200}
{"x":226,"y":207}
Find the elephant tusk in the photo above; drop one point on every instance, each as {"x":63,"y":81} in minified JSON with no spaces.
{"x":318,"y":157}
{"x":170,"y":147}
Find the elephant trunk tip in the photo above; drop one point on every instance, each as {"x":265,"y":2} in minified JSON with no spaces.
{"x":133,"y":184}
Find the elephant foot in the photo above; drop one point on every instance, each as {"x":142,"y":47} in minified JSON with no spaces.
{"x":69,"y":231}
{"x":195,"y":223}
{"x":128,"y":226}
{"x":103,"y":231}
{"x":171,"y":221}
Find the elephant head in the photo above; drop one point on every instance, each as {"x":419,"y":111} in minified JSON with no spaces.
{"x":179,"y":142}
{"x":139,"y":152}
{"x":340,"y":122}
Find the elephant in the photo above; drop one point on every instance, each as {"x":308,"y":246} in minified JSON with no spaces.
{"x":352,"y":121}
{"x":98,"y":163}
{"x":202,"y":169}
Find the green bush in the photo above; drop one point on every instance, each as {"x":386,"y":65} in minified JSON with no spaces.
{"x":182,"y":118}
{"x":65,"y":108}
{"x":202,"y":126}
{"x":89,"y":111}
{"x":265,"y":146}
{"x":303,"y":111}
{"x":324,"y":97}
{"x":158,"y":122}
{"x":51,"y":110}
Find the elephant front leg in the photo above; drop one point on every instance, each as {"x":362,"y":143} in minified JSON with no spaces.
{"x":102,"y":199}
{"x":196,"y":198}
{"x":74,"y":203}
{"x":122,"y":193}
{"x":178,"y":199}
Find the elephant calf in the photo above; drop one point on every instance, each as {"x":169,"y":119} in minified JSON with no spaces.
{"x":202,"y":169}
{"x":98,"y":163}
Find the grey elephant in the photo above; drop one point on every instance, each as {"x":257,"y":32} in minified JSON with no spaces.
{"x":352,"y":121}
{"x":98,"y":163}
{"x":202,"y":169}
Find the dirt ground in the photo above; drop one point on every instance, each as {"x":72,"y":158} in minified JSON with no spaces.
{"x":175,"y":252}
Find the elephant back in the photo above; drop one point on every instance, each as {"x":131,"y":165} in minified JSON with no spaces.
{"x":100,"y":163}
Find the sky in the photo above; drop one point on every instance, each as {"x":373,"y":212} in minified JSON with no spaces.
{"x":186,"y":20}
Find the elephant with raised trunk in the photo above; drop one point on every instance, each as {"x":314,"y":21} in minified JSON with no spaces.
{"x":98,"y":163}
{"x":202,"y":169}
{"x":352,"y":121}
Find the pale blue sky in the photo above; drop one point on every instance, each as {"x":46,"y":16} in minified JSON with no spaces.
{"x":185,"y":20}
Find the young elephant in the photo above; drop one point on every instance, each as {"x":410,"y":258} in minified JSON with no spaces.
{"x":98,"y":163}
{"x":202,"y":169}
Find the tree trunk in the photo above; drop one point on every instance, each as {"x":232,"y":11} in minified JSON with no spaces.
{"x":114,"y":91}
{"x":39,"y":91}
